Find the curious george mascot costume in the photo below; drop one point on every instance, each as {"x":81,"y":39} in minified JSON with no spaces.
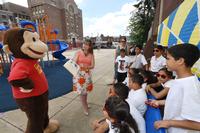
{"x":29,"y":84}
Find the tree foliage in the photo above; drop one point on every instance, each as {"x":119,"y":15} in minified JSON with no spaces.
{"x":140,"y":21}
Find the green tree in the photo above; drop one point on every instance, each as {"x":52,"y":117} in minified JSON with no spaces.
{"x":140,"y":21}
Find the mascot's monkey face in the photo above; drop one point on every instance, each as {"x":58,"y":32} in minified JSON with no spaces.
{"x":22,"y":43}
{"x":32,"y":45}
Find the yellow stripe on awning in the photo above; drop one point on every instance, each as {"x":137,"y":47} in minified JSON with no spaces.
{"x":195,"y":37}
{"x":166,"y":21}
{"x":165,"y":36}
{"x":181,"y":16}
{"x":179,"y":42}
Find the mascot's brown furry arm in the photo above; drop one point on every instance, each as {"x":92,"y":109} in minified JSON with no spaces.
{"x":29,"y":84}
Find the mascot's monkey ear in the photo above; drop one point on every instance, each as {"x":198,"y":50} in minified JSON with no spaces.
{"x":6,"y":49}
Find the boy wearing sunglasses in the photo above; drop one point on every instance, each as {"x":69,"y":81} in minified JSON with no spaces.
{"x":182,"y":106}
{"x":157,"y":61}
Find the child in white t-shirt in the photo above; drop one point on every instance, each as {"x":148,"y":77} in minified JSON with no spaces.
{"x":131,"y":72}
{"x":123,"y":62}
{"x":137,"y":95}
{"x":122,"y":91}
{"x":157,"y":61}
{"x":117,"y":117}
{"x":182,"y":106}
{"x":138,"y":61}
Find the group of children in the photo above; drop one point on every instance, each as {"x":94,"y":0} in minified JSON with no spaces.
{"x":178,"y":98}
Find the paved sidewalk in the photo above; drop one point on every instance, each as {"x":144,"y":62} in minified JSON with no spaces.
{"x":67,"y":109}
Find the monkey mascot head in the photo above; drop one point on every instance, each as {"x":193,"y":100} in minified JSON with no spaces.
{"x":22,"y":43}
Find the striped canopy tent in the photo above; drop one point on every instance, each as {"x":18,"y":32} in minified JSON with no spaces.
{"x":182,"y":26}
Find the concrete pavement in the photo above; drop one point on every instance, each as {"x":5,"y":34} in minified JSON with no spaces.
{"x":67,"y":109}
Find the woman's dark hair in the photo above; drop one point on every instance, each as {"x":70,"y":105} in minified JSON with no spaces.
{"x":121,"y":90}
{"x":149,"y":76}
{"x":119,"y":110}
{"x":89,"y":42}
{"x":137,"y":78}
{"x":188,"y":52}
{"x":169,"y":73}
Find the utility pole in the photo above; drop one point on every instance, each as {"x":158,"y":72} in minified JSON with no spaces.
{"x":161,"y":11}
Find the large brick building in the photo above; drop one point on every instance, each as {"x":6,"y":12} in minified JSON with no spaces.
{"x":12,"y":13}
{"x":64,"y":15}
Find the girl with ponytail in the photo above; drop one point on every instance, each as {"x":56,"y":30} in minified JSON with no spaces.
{"x":118,"y":118}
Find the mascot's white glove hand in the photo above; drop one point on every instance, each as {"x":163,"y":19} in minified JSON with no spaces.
{"x":24,"y":90}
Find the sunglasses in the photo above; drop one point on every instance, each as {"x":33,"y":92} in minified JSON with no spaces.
{"x":156,"y":50}
{"x":160,"y":75}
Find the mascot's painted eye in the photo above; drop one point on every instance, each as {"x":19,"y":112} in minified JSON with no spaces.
{"x":34,"y":39}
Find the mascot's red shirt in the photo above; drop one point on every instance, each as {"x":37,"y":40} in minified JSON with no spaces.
{"x":27,"y":68}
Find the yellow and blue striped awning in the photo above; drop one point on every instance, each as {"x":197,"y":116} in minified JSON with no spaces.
{"x":182,"y":26}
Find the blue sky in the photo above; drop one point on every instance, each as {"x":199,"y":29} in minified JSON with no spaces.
{"x":108,"y":17}
{"x":99,"y":8}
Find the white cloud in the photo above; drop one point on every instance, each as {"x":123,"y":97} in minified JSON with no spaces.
{"x":19,"y":2}
{"x":113,"y":23}
{"x":78,"y":2}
